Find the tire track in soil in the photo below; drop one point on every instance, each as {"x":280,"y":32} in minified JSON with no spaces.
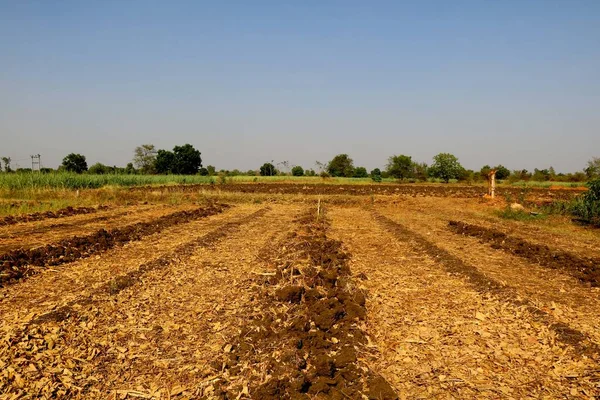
{"x":16,"y":265}
{"x":74,"y":356}
{"x":485,"y":284}
{"x":124,"y":281}
{"x":304,"y":335}
{"x":586,"y":270}
{"x":438,"y":338}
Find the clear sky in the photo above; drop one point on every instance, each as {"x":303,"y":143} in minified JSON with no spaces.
{"x":511,"y":82}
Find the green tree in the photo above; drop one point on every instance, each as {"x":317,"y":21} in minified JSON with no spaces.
{"x":75,"y":163}
{"x":130,"y":169}
{"x":165,"y":162}
{"x":445,"y":167}
{"x":360,"y":172}
{"x":144,"y":157}
{"x":211,"y":170}
{"x":592,"y":170}
{"x":203,"y":171}
{"x":268,"y":169}
{"x":400,"y":167}
{"x":187,"y":160}
{"x":420,"y":170}
{"x":375,"y":172}
{"x":297,"y":171}
{"x":502,"y":172}
{"x":99,"y":169}
{"x":341,"y":165}
{"x":6,"y":161}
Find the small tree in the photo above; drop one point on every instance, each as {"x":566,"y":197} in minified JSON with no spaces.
{"x":144,"y":158}
{"x":203,"y":171}
{"x":420,"y":170}
{"x":360,"y":172}
{"x":211,"y":170}
{"x":341,"y":165}
{"x":99,"y":169}
{"x":297,"y":171}
{"x":75,"y":163}
{"x":6,"y":161}
{"x":445,"y":167}
{"x":592,"y":170}
{"x":400,"y":167}
{"x":268,"y":169}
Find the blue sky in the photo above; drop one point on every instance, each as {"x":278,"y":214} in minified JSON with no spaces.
{"x":511,"y":82}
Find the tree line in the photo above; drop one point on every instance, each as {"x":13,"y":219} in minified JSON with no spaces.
{"x":187,"y":160}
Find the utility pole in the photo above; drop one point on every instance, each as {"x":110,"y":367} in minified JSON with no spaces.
{"x":36,"y":160}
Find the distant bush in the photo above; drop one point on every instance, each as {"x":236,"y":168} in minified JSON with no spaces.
{"x":360,"y":172}
{"x":297,"y":171}
{"x":587,"y":207}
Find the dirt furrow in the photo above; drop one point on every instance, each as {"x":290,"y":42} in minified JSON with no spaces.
{"x":38,"y":216}
{"x":485,"y":284}
{"x":41,"y":233}
{"x":585,"y":269}
{"x":153,"y":339}
{"x":304,"y":334}
{"x":550,"y":290}
{"x":441,"y":337}
{"x":128,"y":279}
{"x":18,"y":264}
{"x":53,"y":288}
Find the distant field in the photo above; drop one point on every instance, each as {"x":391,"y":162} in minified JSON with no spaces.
{"x":64,"y":180}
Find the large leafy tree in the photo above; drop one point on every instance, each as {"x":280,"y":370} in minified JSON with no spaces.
{"x":187,"y":160}
{"x":341,"y":165}
{"x":184,"y":160}
{"x":268,"y":169}
{"x":445,"y":167}
{"x":165,"y":160}
{"x":75,"y":163}
{"x":400,"y":167}
{"x":144,"y":158}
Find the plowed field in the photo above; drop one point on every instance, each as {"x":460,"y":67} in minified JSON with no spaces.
{"x":404,"y":297}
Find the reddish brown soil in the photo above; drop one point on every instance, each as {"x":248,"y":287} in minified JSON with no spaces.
{"x":15,"y":265}
{"x":38,"y":216}
{"x":311,"y":344}
{"x":484,"y":284}
{"x":586,"y":269}
{"x":416,"y":190}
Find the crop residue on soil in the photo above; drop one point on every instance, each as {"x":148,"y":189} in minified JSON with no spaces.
{"x":304,"y":336}
{"x":16,"y":264}
{"x":584,"y":269}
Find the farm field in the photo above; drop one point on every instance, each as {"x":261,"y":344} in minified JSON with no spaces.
{"x":269,"y":291}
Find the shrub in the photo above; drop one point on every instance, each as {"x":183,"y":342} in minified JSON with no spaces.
{"x":297,"y":171}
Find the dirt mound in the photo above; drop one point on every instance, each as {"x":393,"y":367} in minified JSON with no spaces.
{"x":38,"y":216}
{"x":16,"y":264}
{"x":587,"y":270}
{"x":306,"y":341}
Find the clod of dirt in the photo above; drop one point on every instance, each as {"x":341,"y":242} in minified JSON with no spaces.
{"x":379,"y":389}
{"x":291,"y":294}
